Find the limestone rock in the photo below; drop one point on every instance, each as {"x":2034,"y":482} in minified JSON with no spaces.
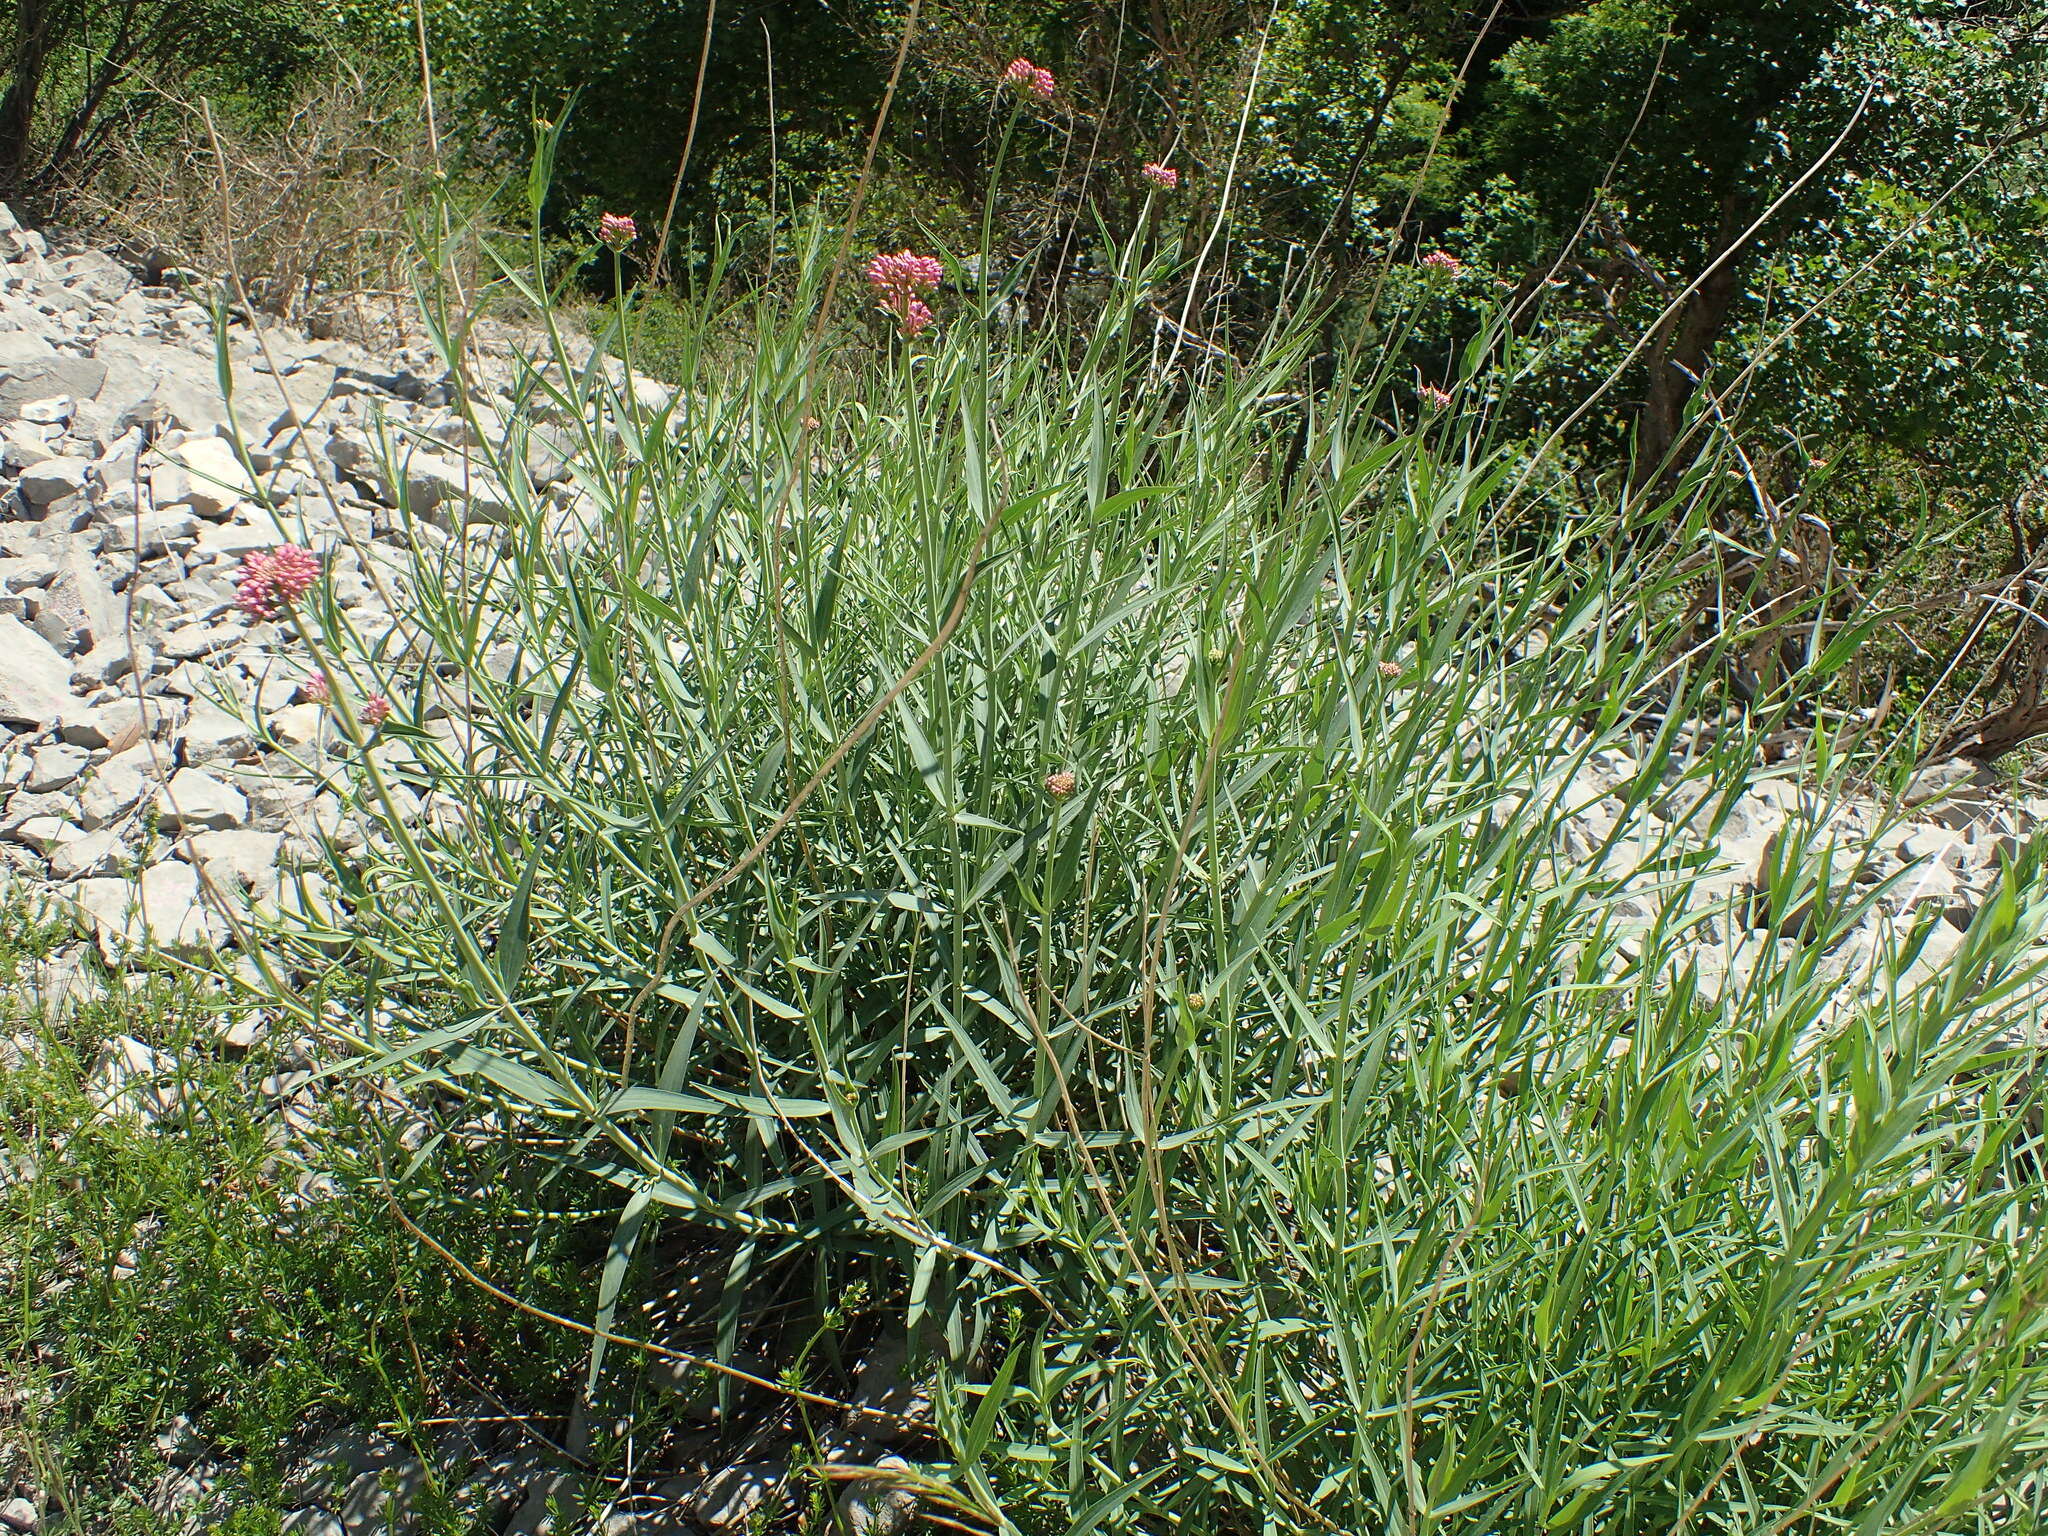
{"x":53,"y":479}
{"x":195,"y":801}
{"x":53,"y":767}
{"x":95,"y":853}
{"x":114,"y":787}
{"x":211,"y":735}
{"x":35,"y":682}
{"x":1938,"y":779}
{"x":239,"y":861}
{"x":32,"y":369}
{"x":216,"y":481}
{"x":77,"y":609}
{"x":729,"y":1500}
{"x":131,"y":1078}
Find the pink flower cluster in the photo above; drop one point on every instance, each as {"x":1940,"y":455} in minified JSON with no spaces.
{"x":617,"y":231}
{"x":376,"y":710}
{"x":899,"y":280}
{"x":314,"y":690}
{"x":1436,"y":399}
{"x":276,"y":579}
{"x":1027,"y":79}
{"x":1164,"y":177}
{"x":1443,"y":261}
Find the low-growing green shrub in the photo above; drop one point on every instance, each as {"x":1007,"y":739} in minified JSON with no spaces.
{"x":174,"y":1269}
{"x":1059,"y":851}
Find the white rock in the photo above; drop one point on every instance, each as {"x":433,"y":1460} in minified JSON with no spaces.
{"x":729,"y":1500}
{"x":77,"y":609}
{"x":211,"y":735}
{"x":249,"y":531}
{"x":299,"y":725}
{"x":189,"y":641}
{"x":239,"y":861}
{"x":195,"y":801}
{"x":35,"y":682}
{"x":119,"y":725}
{"x":130,"y":1078}
{"x":53,"y":479}
{"x":217,"y":481}
{"x":53,"y":767}
{"x":46,"y":833}
{"x":150,"y":534}
{"x":50,"y":412}
{"x":1938,"y":779}
{"x":876,"y":1506}
{"x":23,"y":444}
{"x":110,"y":660}
{"x":114,"y":788}
{"x":32,"y":369}
{"x":88,"y":855}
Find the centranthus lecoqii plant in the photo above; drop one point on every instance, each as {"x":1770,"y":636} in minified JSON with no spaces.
{"x":1101,"y":881}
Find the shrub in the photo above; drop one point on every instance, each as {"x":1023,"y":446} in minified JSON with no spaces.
{"x":1064,"y":851}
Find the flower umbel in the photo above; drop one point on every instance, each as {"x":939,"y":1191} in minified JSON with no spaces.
{"x":1164,"y":177}
{"x":1027,"y":79}
{"x":898,"y":279}
{"x":617,"y":231}
{"x":1061,"y":785}
{"x":275,"y":579}
{"x":1443,"y":261}
{"x":314,"y":690}
{"x":1436,"y":399}
{"x":376,"y":710}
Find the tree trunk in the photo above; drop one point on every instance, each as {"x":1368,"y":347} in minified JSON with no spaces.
{"x":1678,"y":354}
{"x":33,"y":27}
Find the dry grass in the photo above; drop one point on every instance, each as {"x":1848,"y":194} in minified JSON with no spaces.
{"x":316,"y":200}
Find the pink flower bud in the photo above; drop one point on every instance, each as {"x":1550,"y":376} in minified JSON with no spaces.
{"x":1164,"y":177}
{"x":1436,"y":399}
{"x":617,"y":231}
{"x":376,"y":710}
{"x":314,"y":689}
{"x":915,"y":317}
{"x":1443,"y":261}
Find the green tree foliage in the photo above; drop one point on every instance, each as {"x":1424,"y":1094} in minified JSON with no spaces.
{"x":1701,"y":171}
{"x":628,"y":76}
{"x":79,"y":72}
